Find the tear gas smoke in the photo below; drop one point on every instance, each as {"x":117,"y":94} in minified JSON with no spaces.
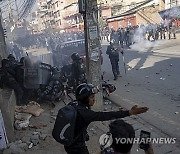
{"x":140,"y":43}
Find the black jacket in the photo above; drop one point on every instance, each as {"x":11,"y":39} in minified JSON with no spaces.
{"x":85,"y":116}
{"x":113,"y":52}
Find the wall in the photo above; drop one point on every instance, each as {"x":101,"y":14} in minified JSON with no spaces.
{"x":7,"y":105}
{"x":123,"y":21}
{"x":149,"y":15}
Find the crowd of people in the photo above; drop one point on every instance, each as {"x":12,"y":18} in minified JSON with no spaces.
{"x":44,"y":40}
{"x":130,"y":35}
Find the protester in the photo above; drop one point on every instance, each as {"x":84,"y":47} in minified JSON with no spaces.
{"x":85,"y":95}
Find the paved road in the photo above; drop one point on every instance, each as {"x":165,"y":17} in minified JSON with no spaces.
{"x":152,"y":80}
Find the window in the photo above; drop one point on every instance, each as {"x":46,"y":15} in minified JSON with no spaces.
{"x":58,"y":13}
{"x":132,"y":5}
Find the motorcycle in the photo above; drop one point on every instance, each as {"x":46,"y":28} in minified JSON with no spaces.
{"x":108,"y":88}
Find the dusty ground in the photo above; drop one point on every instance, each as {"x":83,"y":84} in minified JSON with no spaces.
{"x":44,"y":124}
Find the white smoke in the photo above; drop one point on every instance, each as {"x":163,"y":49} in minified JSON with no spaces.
{"x":140,"y":43}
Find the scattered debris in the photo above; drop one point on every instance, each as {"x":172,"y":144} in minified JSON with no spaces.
{"x":43,"y":136}
{"x":157,"y":73}
{"x":162,"y":78}
{"x":21,"y":124}
{"x":171,"y":65}
{"x":53,"y":117}
{"x":30,"y":146}
{"x":52,"y":112}
{"x":37,"y":125}
{"x":176,"y":112}
{"x":32,"y":108}
{"x":146,"y":76}
{"x":35,"y":138}
{"x":107,"y":102}
{"x":21,"y":120}
{"x":127,"y":84}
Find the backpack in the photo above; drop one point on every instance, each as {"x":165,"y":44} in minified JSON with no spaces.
{"x":63,"y":131}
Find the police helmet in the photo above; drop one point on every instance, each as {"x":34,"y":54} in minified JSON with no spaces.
{"x":22,"y":60}
{"x":83,"y":91}
{"x":11,"y":57}
{"x":75,"y":56}
{"x":112,"y":41}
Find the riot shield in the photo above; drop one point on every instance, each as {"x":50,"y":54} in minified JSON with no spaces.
{"x":36,"y":74}
{"x":31,"y":74}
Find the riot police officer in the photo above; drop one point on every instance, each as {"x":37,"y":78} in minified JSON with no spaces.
{"x":162,"y":31}
{"x":8,"y":79}
{"x":113,"y":52}
{"x":77,"y":69}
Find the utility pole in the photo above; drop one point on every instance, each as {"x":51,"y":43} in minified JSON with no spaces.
{"x":2,"y":41}
{"x":93,"y":47}
{"x":11,"y":17}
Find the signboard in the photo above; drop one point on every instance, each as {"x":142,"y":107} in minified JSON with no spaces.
{"x":93,"y":33}
{"x":95,"y":54}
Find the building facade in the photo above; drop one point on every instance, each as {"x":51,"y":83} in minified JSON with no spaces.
{"x":137,"y":12}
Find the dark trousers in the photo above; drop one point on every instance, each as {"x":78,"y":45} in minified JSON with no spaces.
{"x":121,"y":43}
{"x":115,"y":67}
{"x":162,"y":34}
{"x":79,"y":150}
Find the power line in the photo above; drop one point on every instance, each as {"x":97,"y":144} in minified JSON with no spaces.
{"x":6,"y":5}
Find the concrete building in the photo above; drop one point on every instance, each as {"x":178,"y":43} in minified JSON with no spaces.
{"x":171,"y":3}
{"x":50,"y":14}
{"x":73,"y":19}
{"x":138,"y":12}
{"x":42,"y":14}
